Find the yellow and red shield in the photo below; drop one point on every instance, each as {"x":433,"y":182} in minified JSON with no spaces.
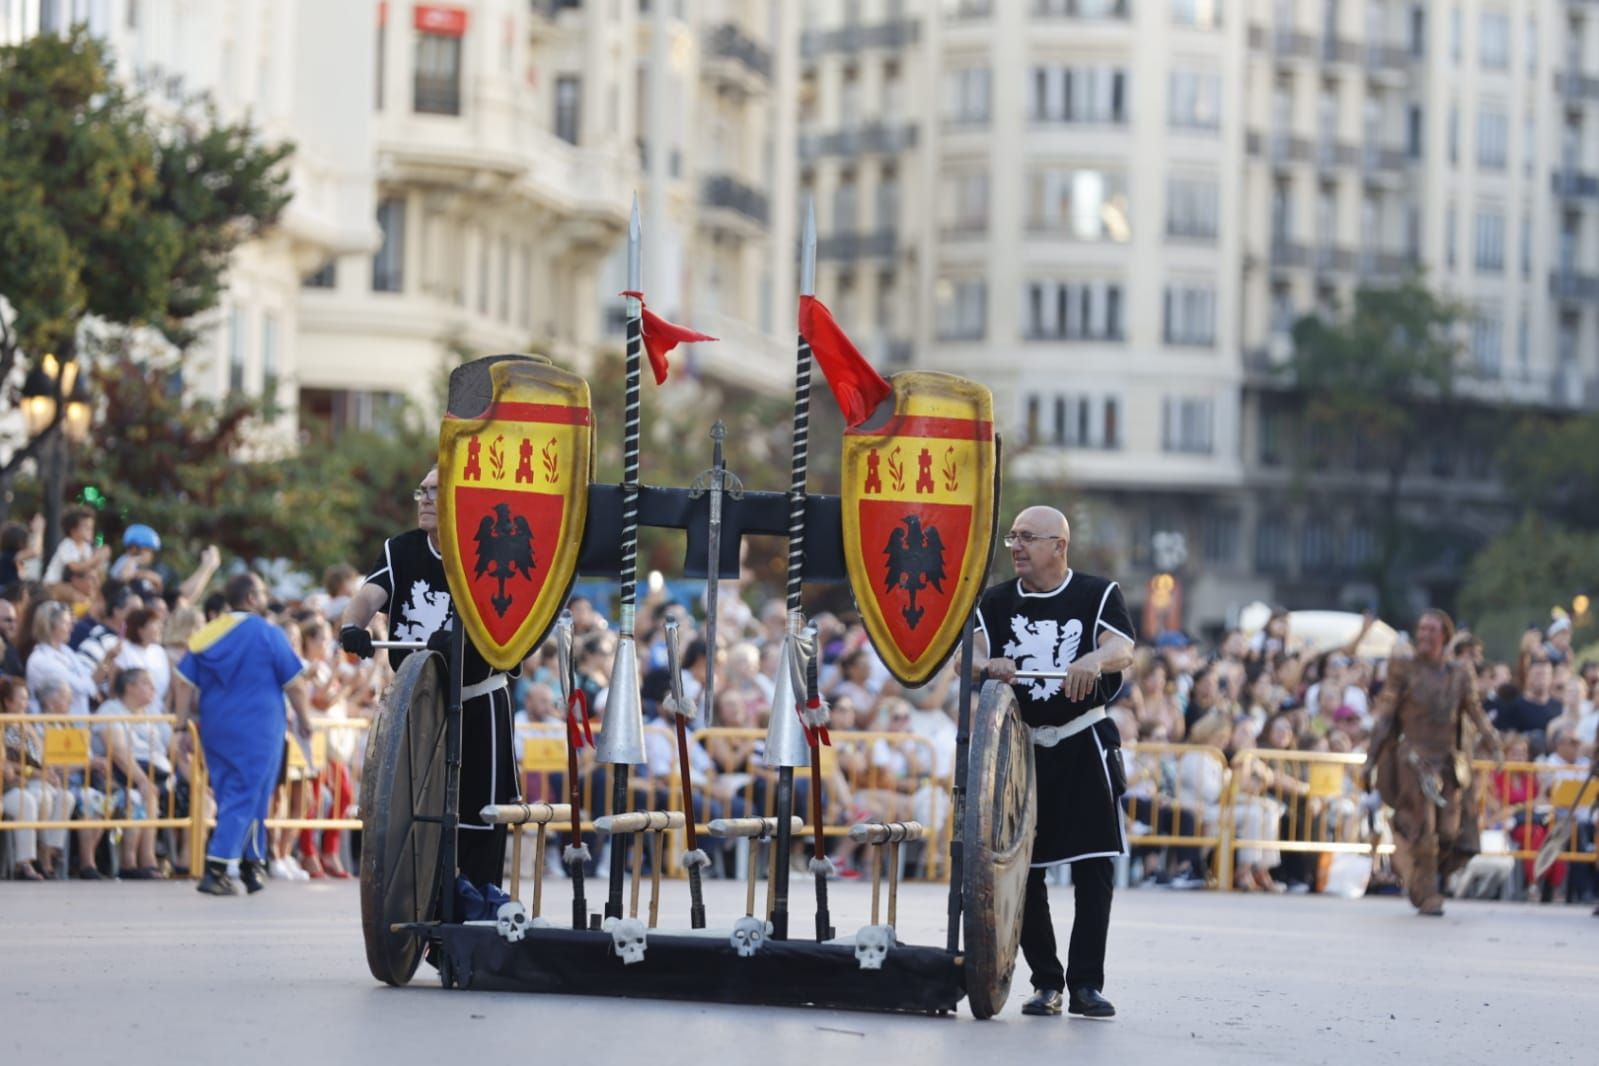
{"x":920,"y":491}
{"x":513,"y":501}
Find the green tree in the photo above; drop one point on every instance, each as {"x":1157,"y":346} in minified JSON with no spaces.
{"x":1385,"y":375}
{"x":1533,"y":567}
{"x":107,"y":215}
{"x":1551,"y":464}
{"x":175,"y":464}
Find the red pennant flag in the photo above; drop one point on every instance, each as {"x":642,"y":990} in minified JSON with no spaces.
{"x":856,"y":386}
{"x":661,"y":336}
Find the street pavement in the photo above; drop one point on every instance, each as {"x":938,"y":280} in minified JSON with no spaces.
{"x":154,"y":973}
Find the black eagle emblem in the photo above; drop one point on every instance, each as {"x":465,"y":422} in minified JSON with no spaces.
{"x":915,"y":561}
{"x":504,"y":546}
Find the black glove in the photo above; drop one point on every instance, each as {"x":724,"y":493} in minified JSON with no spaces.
{"x":442,"y":641}
{"x":356,"y":641}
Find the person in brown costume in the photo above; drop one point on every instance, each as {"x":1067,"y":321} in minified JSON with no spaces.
{"x":1422,"y":766}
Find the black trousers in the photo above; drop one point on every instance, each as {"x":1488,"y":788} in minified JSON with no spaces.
{"x":488,"y":775}
{"x":1093,"y":880}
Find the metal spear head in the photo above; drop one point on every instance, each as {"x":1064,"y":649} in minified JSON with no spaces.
{"x":635,"y":250}
{"x":785,"y":734}
{"x":808,"y":250}
{"x":621,"y":739}
{"x":563,"y":655}
{"x":674,"y":660}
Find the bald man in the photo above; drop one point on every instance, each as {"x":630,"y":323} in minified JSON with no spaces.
{"x":1051,"y":618}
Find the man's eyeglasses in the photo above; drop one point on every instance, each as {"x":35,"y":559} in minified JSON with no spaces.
{"x":1029,"y":539}
{"x":430,"y":494}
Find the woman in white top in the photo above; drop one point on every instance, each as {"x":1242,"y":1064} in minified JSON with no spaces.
{"x":52,"y":660}
{"x":142,"y":650}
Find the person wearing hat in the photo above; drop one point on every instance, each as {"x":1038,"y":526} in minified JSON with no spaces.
{"x":1054,"y":619}
{"x":1557,"y":640}
{"x":139,"y":545}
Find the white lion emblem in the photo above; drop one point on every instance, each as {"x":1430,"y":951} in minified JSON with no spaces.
{"x":426,"y":613}
{"x":1042,"y":646}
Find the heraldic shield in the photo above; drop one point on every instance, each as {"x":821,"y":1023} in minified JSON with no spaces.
{"x":513,"y":500}
{"x":920,"y":488}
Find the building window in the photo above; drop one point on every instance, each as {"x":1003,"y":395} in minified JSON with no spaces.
{"x":379,"y":67}
{"x":388,"y":265}
{"x":1073,"y":311}
{"x":964,"y":202}
{"x":1271,"y":545}
{"x":1076,"y":421}
{"x":1532,"y":45}
{"x":1490,"y":241}
{"x":1084,"y":205}
{"x":844,"y":199}
{"x":568,"y":102}
{"x":1526,"y":243}
{"x":1493,"y":40}
{"x":1454,"y":134}
{"x":326,"y":278}
{"x":1485,"y":341}
{"x":269,"y":358}
{"x":1194,"y":100}
{"x":1186,"y":424}
{"x":237,"y":339}
{"x":1218,"y":535}
{"x":1097,"y":94}
{"x":437,"y":86}
{"x":1190,"y":315}
{"x":1450,"y":241}
{"x":1413,"y":131}
{"x":887,"y":201}
{"x":1456,"y":31}
{"x":1493,"y":132}
{"x":1418,"y":30}
{"x":966,"y":96}
{"x":1192,"y":208}
{"x":962,"y":309}
{"x":1200,"y":14}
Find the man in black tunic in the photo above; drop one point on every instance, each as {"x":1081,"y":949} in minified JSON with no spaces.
{"x":407,"y":583}
{"x":1052,"y":618}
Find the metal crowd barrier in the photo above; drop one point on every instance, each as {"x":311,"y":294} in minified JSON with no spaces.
{"x":1168,"y":784}
{"x":1526,"y":799}
{"x":66,"y":746}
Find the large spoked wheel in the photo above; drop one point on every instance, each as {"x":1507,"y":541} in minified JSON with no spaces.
{"x":403,"y":784}
{"x":1001,"y":811}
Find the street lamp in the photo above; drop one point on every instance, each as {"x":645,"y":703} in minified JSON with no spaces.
{"x":48,"y":385}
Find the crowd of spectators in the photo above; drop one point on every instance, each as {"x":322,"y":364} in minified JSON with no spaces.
{"x":84,"y":634}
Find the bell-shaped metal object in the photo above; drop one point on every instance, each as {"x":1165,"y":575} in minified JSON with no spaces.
{"x":785,"y":733}
{"x":621,"y":739}
{"x":563,"y":656}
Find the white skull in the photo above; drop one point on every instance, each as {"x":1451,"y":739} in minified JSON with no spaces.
{"x":628,"y":936}
{"x":511,"y":921}
{"x":748,"y":936}
{"x":872,"y":944}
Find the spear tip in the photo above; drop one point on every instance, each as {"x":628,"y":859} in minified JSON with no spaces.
{"x":808,"y":250}
{"x":635,"y":241}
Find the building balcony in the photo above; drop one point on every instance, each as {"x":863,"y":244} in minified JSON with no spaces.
{"x":1576,"y":88}
{"x":850,"y":39}
{"x":1379,"y":58}
{"x":734,"y":55}
{"x":1572,"y":184}
{"x":1374,"y":265}
{"x":725,"y":195}
{"x":1328,"y":259}
{"x":1081,"y":9}
{"x":880,"y":244}
{"x":1282,"y":44}
{"x":1287,"y":254}
{"x":1280,"y":149}
{"x":1573,"y":285}
{"x":872,"y":138}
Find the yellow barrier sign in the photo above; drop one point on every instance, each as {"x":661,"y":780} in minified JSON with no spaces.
{"x":66,"y":747}
{"x":1326,"y":779}
{"x":543,"y":755}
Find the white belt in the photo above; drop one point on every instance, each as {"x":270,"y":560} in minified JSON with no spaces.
{"x":1047,"y":736}
{"x":492,"y":683}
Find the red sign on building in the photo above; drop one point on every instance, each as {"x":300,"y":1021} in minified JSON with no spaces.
{"x":441,"y":21}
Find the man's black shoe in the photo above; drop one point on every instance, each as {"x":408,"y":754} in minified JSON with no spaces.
{"x":1044,"y":1003}
{"x":1088,"y":1003}
{"x":253,"y":875}
{"x":216,"y":881}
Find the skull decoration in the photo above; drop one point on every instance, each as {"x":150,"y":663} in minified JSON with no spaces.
{"x":511,"y":920}
{"x":748,"y":936}
{"x":872,"y":944}
{"x":628,"y":936}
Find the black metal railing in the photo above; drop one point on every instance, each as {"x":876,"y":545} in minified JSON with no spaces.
{"x":726,"y":191}
{"x":872,"y":138}
{"x":879,"y":244}
{"x":859,"y":37}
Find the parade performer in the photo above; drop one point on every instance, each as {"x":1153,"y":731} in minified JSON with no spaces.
{"x":1052,"y":618}
{"x":407,"y":583}
{"x":242,"y":667}
{"x":1421,"y":764}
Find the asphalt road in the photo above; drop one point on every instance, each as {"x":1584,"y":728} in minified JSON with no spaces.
{"x":154,"y":973}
